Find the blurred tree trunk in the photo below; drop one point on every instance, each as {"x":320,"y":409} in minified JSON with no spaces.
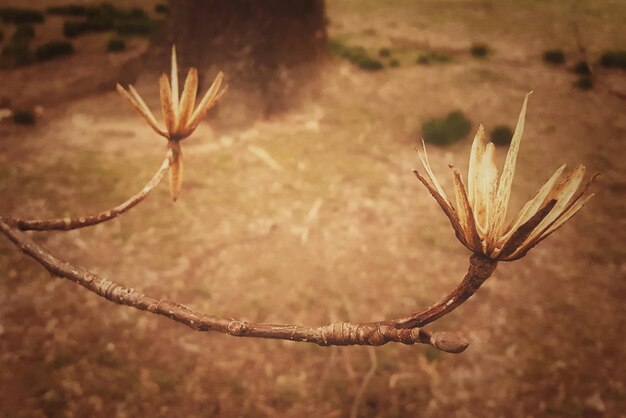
{"x":267,"y":48}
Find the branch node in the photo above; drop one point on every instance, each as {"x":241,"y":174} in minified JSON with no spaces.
{"x":237,"y":328}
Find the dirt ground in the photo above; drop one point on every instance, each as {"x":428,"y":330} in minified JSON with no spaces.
{"x":247,"y":241}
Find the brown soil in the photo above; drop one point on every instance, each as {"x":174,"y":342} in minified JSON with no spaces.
{"x":546,"y":331}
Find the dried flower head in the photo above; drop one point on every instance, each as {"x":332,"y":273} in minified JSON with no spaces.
{"x":479,"y":216}
{"x":179,"y":115}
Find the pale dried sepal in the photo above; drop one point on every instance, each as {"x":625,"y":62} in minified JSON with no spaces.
{"x":188,"y":99}
{"x":137,"y":102}
{"x":447,"y":209}
{"x":563,"y":194}
{"x":567,"y":215}
{"x":476,"y":155}
{"x":426,"y":164}
{"x":486,"y":186}
{"x":501,"y":202}
{"x":206,"y":102}
{"x":166,"y":104}
{"x":465,"y":213}
{"x":533,"y":204}
{"x":176,"y":169}
{"x":578,"y":205}
{"x":521,"y":234}
{"x":174,"y":82}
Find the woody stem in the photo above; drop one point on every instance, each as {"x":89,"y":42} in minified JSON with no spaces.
{"x":479,"y":270}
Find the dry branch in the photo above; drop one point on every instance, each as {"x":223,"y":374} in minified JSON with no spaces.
{"x":67,"y":224}
{"x":538,"y":219}
{"x":341,"y":333}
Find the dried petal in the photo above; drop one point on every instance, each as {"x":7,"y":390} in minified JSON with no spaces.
{"x":447,"y":209}
{"x":137,"y":102}
{"x":519,"y":237}
{"x":486,"y":187}
{"x":207,"y":101}
{"x":188,"y":99}
{"x":533,"y":204}
{"x":506,"y":180}
{"x":464,"y":211}
{"x":166,"y":105}
{"x":563,"y":193}
{"x":476,"y":156}
{"x":431,"y":175}
{"x":174,"y":82}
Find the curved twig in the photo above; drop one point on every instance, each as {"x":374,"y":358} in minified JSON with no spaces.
{"x":479,"y":270}
{"x":66,"y":224}
{"x":342,"y":333}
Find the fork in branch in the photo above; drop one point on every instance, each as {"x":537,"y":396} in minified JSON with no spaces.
{"x":477,"y":219}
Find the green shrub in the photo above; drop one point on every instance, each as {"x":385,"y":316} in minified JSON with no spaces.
{"x":428,"y":57}
{"x":54,"y":49}
{"x":17,"y":15}
{"x":554,"y":56}
{"x":384,"y":52}
{"x":116,"y":45}
{"x":447,"y":130}
{"x":24,"y":117}
{"x":356,"y":55}
{"x":106,"y":17}
{"x":422,"y":60}
{"x":614,"y":59}
{"x":394,"y":63}
{"x":584,"y":83}
{"x":501,"y":135}
{"x":479,"y":50}
{"x":17,"y":55}
{"x":68,"y":10}
{"x":368,"y":63}
{"x":24,"y":33}
{"x":582,"y":68}
{"x":161,"y":8}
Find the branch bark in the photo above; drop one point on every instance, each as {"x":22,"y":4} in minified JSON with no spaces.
{"x":479,"y":270}
{"x":406,"y":330}
{"x":340,"y":333}
{"x":66,"y":224}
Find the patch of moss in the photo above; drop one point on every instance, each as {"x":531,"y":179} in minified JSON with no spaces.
{"x":501,"y":135}
{"x":106,"y":17}
{"x":479,"y":50}
{"x":54,"y":49}
{"x":356,"y":55}
{"x":432,"y":56}
{"x":447,"y":130}
{"x":614,"y":59}
{"x":554,"y":56}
